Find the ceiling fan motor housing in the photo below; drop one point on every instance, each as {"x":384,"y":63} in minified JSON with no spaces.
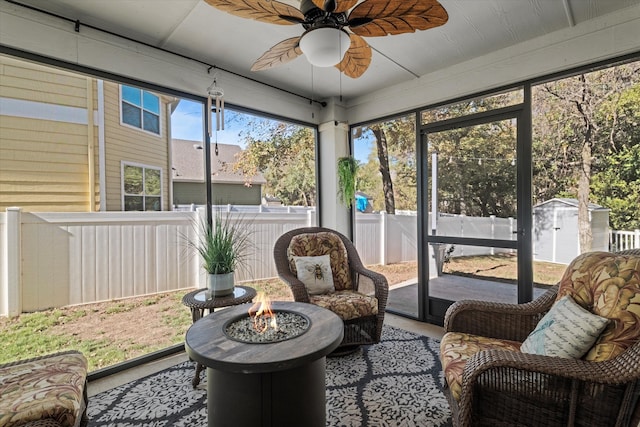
{"x":315,"y":17}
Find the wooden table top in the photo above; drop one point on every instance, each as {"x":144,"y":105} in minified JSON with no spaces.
{"x":207,"y":344}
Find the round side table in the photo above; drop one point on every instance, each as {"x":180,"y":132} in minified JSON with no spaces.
{"x":197,"y":301}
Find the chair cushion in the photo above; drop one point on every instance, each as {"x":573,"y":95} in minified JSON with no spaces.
{"x":51,"y":387}
{"x":315,"y":273}
{"x":567,"y":330}
{"x":323,"y":243}
{"x":347,"y":304}
{"x":608,"y":285}
{"x":456,"y":348}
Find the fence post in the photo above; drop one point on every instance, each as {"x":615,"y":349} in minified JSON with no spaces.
{"x":200,"y":219}
{"x":512,"y":234}
{"x":11,"y":289}
{"x":493,"y":232}
{"x":310,"y":218}
{"x":636,"y":239}
{"x":383,"y":238}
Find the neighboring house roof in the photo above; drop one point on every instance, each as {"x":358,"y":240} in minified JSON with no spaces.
{"x":188,"y":163}
{"x":572,"y":203}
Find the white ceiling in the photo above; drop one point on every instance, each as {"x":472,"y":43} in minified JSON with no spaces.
{"x":195,"y":29}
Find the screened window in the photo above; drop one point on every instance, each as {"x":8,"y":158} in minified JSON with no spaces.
{"x":141,"y":188}
{"x":140,"y":109}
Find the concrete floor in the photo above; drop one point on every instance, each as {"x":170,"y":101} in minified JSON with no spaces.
{"x":107,"y":383}
{"x":403,"y":298}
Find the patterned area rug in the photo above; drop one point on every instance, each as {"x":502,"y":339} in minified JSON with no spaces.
{"x":396,"y":383}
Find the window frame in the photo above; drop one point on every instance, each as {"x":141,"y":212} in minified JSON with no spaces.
{"x":142,"y":110}
{"x":123,"y":164}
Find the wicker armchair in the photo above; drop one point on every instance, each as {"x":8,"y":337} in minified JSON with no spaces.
{"x":363,"y":314}
{"x":490,"y":382}
{"x":44,"y":391}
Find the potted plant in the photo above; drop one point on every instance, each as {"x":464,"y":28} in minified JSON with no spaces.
{"x":223,"y":248}
{"x":347,"y":169}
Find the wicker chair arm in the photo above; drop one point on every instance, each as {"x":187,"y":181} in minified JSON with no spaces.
{"x":498,"y":320}
{"x":298,"y":289}
{"x":619,"y":370}
{"x":380,"y":284}
{"x":508,"y":370}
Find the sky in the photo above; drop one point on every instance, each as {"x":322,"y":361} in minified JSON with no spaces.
{"x":186,"y":123}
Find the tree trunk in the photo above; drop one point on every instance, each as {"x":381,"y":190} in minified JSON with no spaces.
{"x":383,"y":158}
{"x":584,"y":180}
{"x":584,"y":225}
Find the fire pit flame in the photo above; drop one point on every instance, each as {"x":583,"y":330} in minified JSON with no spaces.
{"x":262,"y":315}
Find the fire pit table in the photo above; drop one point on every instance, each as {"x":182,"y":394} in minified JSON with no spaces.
{"x":278,"y":383}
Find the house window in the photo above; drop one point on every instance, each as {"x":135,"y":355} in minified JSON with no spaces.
{"x":142,"y":188}
{"x":140,"y":109}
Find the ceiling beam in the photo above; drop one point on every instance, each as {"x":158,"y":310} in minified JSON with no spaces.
{"x":569,"y":13}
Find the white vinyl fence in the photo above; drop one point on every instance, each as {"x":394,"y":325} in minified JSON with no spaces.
{"x":57,"y":259}
{"x":624,"y":240}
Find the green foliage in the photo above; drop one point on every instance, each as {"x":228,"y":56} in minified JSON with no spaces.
{"x":347,"y":170}
{"x":399,"y":136}
{"x":589,"y":123}
{"x":476,"y":169}
{"x":285,"y":154}
{"x":617,"y":187}
{"x":223,"y":247}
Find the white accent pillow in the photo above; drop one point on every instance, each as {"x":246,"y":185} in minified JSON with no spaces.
{"x":315,"y":273}
{"x":567,"y":330}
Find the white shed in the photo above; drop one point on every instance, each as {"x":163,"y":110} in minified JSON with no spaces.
{"x":555,"y":230}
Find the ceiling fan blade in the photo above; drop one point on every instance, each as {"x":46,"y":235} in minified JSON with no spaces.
{"x":344,"y":5}
{"x":279,"y":54}
{"x":357,"y":59}
{"x":335,"y":6}
{"x":374,"y":18}
{"x":271,"y":11}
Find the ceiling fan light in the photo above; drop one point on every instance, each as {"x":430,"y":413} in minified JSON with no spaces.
{"x":325,"y":46}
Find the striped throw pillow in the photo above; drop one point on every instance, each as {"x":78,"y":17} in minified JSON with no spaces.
{"x":567,"y":330}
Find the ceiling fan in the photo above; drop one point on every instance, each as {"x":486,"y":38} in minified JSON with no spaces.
{"x":334,"y":29}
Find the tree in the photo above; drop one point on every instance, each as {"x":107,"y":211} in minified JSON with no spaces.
{"x":617,"y":183}
{"x":476,"y":169}
{"x":390,"y":172}
{"x":476,"y":164}
{"x":385,"y":171}
{"x":285,"y":154}
{"x":574,"y":123}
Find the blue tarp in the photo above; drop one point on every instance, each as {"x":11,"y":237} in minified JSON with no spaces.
{"x":361,"y":203}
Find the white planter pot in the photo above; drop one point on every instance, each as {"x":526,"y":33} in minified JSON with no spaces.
{"x":220,"y":284}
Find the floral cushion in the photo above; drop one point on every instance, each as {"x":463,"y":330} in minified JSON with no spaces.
{"x":456,"y":348}
{"x":607,"y":285}
{"x":51,"y":387}
{"x":347,"y":304}
{"x":323,"y":243}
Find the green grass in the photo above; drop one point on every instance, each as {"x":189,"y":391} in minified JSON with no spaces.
{"x":29,"y":335}
{"x":69,"y":328}
{"x":90,"y":328}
